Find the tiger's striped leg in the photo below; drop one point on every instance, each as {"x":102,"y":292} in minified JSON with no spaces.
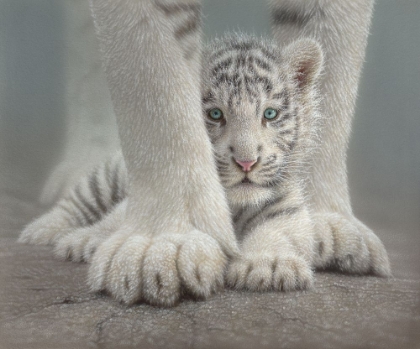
{"x":177,"y":233}
{"x":342,"y":28}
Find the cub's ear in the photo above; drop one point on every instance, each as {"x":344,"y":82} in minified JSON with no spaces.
{"x":305,"y":59}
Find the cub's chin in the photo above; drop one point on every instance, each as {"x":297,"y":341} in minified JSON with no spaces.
{"x":247,"y":194}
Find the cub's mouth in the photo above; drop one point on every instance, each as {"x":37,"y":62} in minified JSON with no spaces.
{"x":246,"y":180}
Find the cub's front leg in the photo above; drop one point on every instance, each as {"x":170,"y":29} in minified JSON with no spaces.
{"x":276,"y":253}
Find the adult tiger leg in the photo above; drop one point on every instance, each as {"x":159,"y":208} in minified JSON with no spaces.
{"x":342,"y":29}
{"x":177,"y":234}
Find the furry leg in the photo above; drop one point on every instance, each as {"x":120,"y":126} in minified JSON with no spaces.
{"x":177,"y":216}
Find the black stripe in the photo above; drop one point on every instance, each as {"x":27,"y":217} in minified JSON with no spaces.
{"x":223,"y":65}
{"x":92,"y":209}
{"x":289,"y":16}
{"x":96,"y":191}
{"x":250,"y":65}
{"x":171,"y":9}
{"x":286,"y":116}
{"x":115,"y":189}
{"x":277,"y":96}
{"x":273,"y":181}
{"x":258,"y":108}
{"x":261,"y":80}
{"x":188,"y":28}
{"x":267,"y":169}
{"x":222,"y":78}
{"x":266,"y":82}
{"x":249,"y":84}
{"x":243,"y":46}
{"x":285,"y":212}
{"x":219,"y":53}
{"x":268,"y":54}
{"x":71,"y":214}
{"x":270,"y":160}
{"x":282,"y":120}
{"x":208,"y":98}
{"x":212,"y":124}
{"x":230,"y":101}
{"x":239,"y":215}
{"x":261,"y":212}
{"x":284,"y":96}
{"x":282,"y":146}
{"x":262,"y":64}
{"x":222,"y":162}
{"x":240,"y":61}
{"x":285,"y":132}
{"x":85,"y":215}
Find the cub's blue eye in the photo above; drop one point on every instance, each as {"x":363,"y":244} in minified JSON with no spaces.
{"x":270,"y":113}
{"x":216,"y":114}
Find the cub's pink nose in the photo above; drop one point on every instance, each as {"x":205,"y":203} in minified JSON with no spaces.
{"x":246,"y":165}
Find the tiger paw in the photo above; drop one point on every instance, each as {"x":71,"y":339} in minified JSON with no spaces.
{"x":79,"y":246}
{"x":349,"y":246}
{"x":262,"y":272}
{"x":158,"y":270}
{"x":46,"y":229}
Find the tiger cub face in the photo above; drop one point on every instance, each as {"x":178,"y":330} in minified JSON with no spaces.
{"x":259,"y":106}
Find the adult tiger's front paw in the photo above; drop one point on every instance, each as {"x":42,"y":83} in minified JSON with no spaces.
{"x":350,"y":246}
{"x":158,"y":270}
{"x":262,"y":272}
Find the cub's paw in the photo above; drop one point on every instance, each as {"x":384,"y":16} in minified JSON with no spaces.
{"x":260,"y":272}
{"x":348,"y":245}
{"x":158,"y":270}
{"x":46,"y":229}
{"x":79,"y":246}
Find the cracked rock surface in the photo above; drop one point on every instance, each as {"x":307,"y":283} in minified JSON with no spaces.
{"x":45,"y":303}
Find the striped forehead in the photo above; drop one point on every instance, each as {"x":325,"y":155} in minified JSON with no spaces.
{"x":246,"y":71}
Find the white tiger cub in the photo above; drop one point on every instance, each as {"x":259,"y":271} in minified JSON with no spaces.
{"x":260,"y":108}
{"x":262,"y":117}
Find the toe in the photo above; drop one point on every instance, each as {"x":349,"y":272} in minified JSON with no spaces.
{"x":201,"y":265}
{"x":161,"y":282}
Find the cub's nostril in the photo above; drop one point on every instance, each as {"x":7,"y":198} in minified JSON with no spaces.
{"x":246,"y":165}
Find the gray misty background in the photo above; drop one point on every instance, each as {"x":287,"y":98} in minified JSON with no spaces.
{"x":55,"y":108}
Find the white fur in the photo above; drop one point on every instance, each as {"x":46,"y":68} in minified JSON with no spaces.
{"x":342,"y":28}
{"x":180,"y":237}
{"x":173,"y":215}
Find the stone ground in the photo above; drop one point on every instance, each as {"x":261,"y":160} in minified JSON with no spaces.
{"x":45,"y":303}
